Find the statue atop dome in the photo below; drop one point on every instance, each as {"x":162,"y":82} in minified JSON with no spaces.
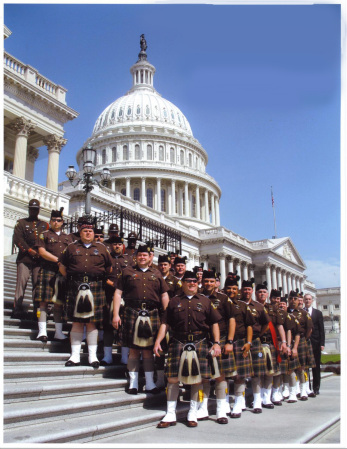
{"x":143,"y":46}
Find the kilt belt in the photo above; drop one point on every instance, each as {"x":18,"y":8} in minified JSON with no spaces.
{"x":185,"y":337}
{"x":86,"y":279}
{"x":141,"y":305}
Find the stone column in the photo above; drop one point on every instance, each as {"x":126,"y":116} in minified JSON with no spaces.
{"x":32,"y":155}
{"x":113,"y":184}
{"x":213,"y":210}
{"x":197,"y":202}
{"x":186,"y":199}
{"x":268,"y":275}
{"x":251,"y":275}
{"x":222,"y":269}
{"x":180,"y":201}
{"x":217,"y":212}
{"x":54,"y":146}
{"x":173,"y":197}
{"x":158,"y":194}
{"x":293,"y":282}
{"x":230,"y":264}
{"x":207,"y":210}
{"x":284,"y":282}
{"x":279,"y":278}
{"x":238,"y":269}
{"x":298,"y":283}
{"x":301,"y":284}
{"x":289,"y":280}
{"x":244,"y":271}
{"x":127,"y":187}
{"x":273,"y":277}
{"x":143,"y":191}
{"x":23,"y":128}
{"x":205,"y":260}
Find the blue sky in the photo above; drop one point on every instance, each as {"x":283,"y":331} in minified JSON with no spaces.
{"x":260,"y":86}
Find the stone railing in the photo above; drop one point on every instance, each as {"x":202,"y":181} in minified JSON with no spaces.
{"x":33,"y":77}
{"x":22,"y":191}
{"x":221,"y":232}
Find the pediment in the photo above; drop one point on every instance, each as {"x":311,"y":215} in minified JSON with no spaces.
{"x":286,"y":249}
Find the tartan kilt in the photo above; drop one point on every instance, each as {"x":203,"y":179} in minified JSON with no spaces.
{"x":258,"y":358}
{"x":44,"y":290}
{"x":174,"y":357}
{"x":275,"y":364}
{"x":226,"y":362}
{"x":98,"y":291}
{"x":309,"y":354}
{"x":284,"y":365}
{"x":302,"y":353}
{"x":128,"y":328}
{"x":243,"y":365}
{"x":107,"y":318}
{"x":293,"y":364}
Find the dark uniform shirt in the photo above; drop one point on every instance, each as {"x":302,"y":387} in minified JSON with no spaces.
{"x":75,"y":236}
{"x":260,"y":315}
{"x":304,"y":319}
{"x":290,"y":324}
{"x":275,"y":317}
{"x":172,"y":283}
{"x":138,"y":285}
{"x":221,"y":303}
{"x":243,"y":317}
{"x":25,"y":236}
{"x":54,"y":244}
{"x":190,"y":315}
{"x":118,"y":264}
{"x":92,"y":261}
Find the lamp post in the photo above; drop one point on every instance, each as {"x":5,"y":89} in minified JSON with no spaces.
{"x":332,"y":321}
{"x":87,"y":180}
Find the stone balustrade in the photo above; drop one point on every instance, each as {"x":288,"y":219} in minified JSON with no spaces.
{"x":33,"y":77}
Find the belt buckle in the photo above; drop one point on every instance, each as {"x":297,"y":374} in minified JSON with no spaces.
{"x":143,"y":306}
{"x":190,"y":337}
{"x":85,"y":279}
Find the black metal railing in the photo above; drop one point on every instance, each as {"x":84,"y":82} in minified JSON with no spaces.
{"x":127,"y":221}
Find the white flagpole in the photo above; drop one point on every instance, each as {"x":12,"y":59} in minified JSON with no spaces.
{"x":273,"y":208}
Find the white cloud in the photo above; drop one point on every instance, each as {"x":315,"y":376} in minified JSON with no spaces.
{"x":323,"y":273}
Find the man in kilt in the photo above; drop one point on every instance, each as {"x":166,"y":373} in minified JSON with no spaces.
{"x":226,"y":366}
{"x":51,"y":285}
{"x":290,"y":362}
{"x":242,"y":341}
{"x":305,"y":355}
{"x":260,"y":326}
{"x":86,"y":265}
{"x":274,"y":339}
{"x":172,"y":283}
{"x":144,"y":291}
{"x":120,"y":261}
{"x":189,"y":316}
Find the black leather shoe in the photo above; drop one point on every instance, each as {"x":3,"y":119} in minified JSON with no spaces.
{"x":270,"y":406}
{"x":153,"y":391}
{"x":222,"y":420}
{"x":104,"y":363}
{"x":132,"y":391}
{"x":71,"y":363}
{"x":312,"y":395}
{"x":95,"y":364}
{"x":303,"y":398}
{"x":17,"y":313}
{"x":192,"y":424}
{"x":165,"y":425}
{"x":277,"y":403}
{"x":43,"y":338}
{"x":257,"y":410}
{"x":235,"y":415}
{"x":316,"y":391}
{"x":204,"y":418}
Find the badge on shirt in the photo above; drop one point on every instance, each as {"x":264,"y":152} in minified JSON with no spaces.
{"x":179,"y":283}
{"x":78,"y":251}
{"x":199,"y":306}
{"x":96,"y":252}
{"x":216,"y":303}
{"x":179,"y":305}
{"x":42,"y":237}
{"x":135,"y":276}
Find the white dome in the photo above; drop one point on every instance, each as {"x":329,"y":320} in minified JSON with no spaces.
{"x":142,"y":105}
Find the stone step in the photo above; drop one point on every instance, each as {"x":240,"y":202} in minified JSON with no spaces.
{"x":19,"y":392}
{"x":48,"y":410}
{"x":83,"y":430}
{"x":44,"y":357}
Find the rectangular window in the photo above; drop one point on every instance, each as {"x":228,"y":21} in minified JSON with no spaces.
{"x":336,"y":306}
{"x":325,"y":307}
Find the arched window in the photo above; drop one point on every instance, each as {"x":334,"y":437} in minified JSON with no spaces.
{"x":114,"y":154}
{"x":190,"y":159}
{"x":165,"y":113}
{"x":150,"y":198}
{"x":182,"y":157}
{"x":103,"y":156}
{"x":138,"y":110}
{"x":120,"y":113}
{"x":163,"y":200}
{"x":112,"y":115}
{"x":129,"y":110}
{"x":172,"y":115}
{"x":161,"y":153}
{"x":137,"y":194}
{"x":123,"y":192}
{"x":149,"y":152}
{"x":125,"y":153}
{"x":147,"y":110}
{"x":137,"y":152}
{"x":172,"y":155}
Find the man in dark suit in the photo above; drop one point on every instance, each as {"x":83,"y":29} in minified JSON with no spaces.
{"x":317,"y":339}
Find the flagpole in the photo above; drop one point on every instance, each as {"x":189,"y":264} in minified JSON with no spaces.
{"x":273,"y":208}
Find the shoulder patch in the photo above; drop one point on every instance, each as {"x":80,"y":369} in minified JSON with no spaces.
{"x":42,"y":237}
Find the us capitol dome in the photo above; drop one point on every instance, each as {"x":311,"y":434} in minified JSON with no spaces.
{"x":147,"y":144}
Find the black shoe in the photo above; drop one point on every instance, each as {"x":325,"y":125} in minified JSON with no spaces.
{"x":270,"y":406}
{"x":316,"y":391}
{"x":104,"y":363}
{"x":17,"y":313}
{"x":277,"y":403}
{"x":257,"y":410}
{"x":95,"y":364}
{"x":71,"y":363}
{"x":132,"y":391}
{"x":153,"y":391}
{"x":312,"y":395}
{"x":43,"y":338}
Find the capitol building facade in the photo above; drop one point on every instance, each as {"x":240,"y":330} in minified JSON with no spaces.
{"x":157,"y":173}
